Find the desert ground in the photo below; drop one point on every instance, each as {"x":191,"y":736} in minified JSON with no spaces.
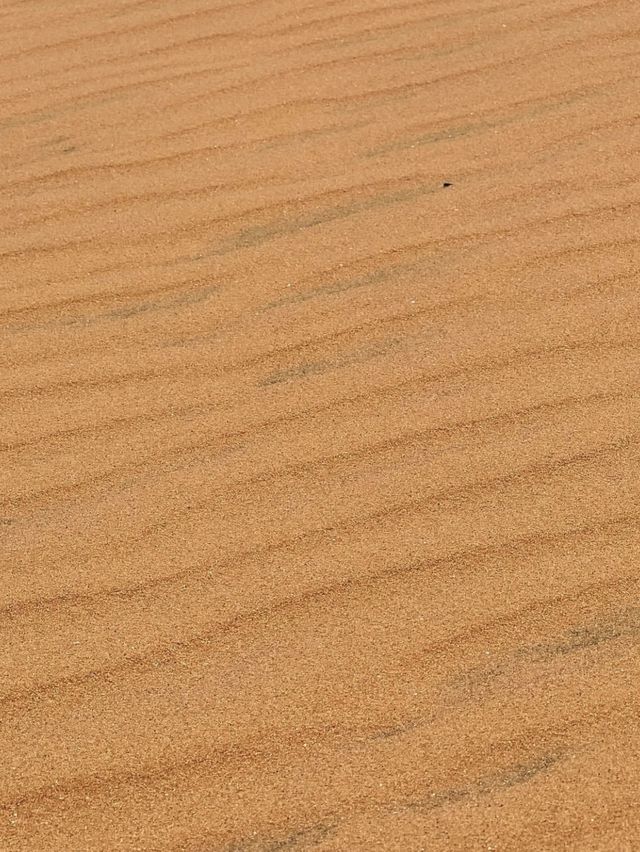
{"x":319,"y":425}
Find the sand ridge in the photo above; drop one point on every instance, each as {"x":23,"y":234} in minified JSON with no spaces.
{"x":320,"y":393}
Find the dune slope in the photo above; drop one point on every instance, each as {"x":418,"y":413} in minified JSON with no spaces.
{"x":319,"y":425}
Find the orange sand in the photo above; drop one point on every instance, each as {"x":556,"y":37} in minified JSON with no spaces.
{"x":320,"y":480}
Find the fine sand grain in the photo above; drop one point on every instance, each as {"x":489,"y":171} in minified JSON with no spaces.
{"x":319,"y":425}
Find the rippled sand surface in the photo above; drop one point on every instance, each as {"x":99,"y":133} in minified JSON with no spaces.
{"x":319,"y":425}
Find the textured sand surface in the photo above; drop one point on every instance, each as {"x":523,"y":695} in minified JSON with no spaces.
{"x":320,"y":491}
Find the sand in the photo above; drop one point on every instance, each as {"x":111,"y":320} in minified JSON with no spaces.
{"x":319,"y":425}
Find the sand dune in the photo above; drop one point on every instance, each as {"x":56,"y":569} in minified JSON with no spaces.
{"x":320,"y":425}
